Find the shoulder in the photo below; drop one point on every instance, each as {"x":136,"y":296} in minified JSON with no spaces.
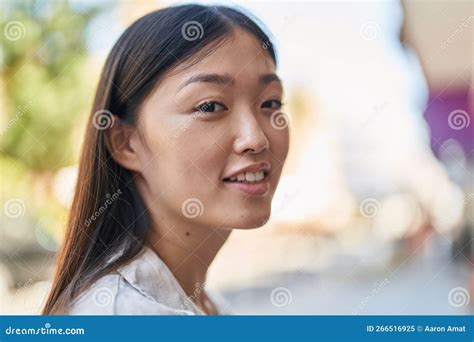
{"x":113,"y":295}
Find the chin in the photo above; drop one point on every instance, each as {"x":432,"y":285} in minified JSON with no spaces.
{"x":249,"y":220}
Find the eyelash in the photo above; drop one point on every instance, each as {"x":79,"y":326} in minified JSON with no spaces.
{"x":279,"y":104}
{"x":199,"y":108}
{"x":206,"y":105}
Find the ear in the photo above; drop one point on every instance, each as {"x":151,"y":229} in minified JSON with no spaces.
{"x":124,"y":145}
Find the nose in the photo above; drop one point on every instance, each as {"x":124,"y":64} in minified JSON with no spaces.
{"x":250,"y":138}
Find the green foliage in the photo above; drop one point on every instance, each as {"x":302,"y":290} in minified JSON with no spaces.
{"x":44,"y":56}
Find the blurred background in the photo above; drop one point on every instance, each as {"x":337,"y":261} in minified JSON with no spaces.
{"x":375,"y":211}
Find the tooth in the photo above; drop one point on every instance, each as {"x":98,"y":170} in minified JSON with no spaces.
{"x":233,"y":179}
{"x":250,"y":176}
{"x":241,"y":177}
{"x":259,"y":176}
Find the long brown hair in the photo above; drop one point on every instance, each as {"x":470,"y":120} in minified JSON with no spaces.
{"x":108,"y":217}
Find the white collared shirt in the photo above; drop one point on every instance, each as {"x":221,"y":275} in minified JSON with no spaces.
{"x":144,"y":286}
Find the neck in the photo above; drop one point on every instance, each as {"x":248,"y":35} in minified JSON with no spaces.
{"x":187,"y":250}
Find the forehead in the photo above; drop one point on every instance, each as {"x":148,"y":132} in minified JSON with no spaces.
{"x":240,"y":55}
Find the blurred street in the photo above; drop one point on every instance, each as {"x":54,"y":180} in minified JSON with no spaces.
{"x":374,"y":213}
{"x":419,"y":286}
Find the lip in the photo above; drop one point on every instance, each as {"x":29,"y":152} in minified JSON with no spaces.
{"x":260,"y":188}
{"x":256,"y":189}
{"x":256,"y":167}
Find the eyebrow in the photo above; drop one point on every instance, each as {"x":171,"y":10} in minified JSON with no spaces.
{"x":224,"y":79}
{"x":269,"y":78}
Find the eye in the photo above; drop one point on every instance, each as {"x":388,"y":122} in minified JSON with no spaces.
{"x":210,"y":107}
{"x":272,"y":104}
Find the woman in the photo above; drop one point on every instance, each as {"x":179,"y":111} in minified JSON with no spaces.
{"x":184,"y":144}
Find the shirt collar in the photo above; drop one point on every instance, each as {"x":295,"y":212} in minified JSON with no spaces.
{"x":148,"y":274}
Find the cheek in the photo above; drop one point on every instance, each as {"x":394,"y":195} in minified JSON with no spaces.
{"x":202,"y":158}
{"x":203,"y":149}
{"x":193,"y":161}
{"x":279,"y":143}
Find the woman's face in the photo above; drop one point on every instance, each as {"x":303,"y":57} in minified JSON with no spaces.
{"x":212,"y":132}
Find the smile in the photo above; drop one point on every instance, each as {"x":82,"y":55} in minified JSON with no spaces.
{"x":252,"y":183}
